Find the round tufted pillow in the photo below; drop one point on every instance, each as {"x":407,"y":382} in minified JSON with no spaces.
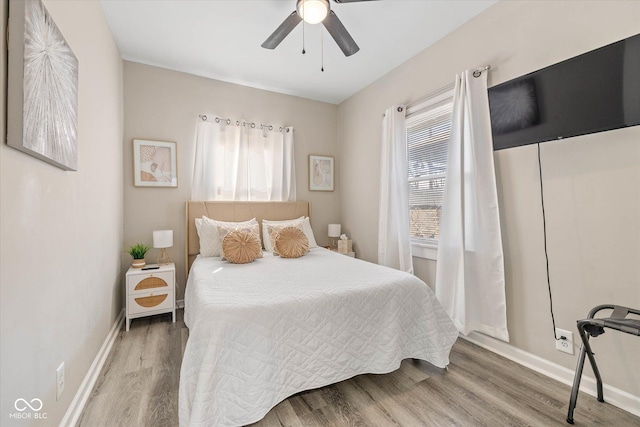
{"x":241,"y":246}
{"x":291,"y":242}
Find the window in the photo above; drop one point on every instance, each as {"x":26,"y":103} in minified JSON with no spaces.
{"x":243,"y":162}
{"x":428,"y":133}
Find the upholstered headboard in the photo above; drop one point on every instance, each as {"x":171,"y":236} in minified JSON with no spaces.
{"x":235,"y":211}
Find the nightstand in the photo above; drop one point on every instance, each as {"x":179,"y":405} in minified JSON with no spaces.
{"x":150,"y":292}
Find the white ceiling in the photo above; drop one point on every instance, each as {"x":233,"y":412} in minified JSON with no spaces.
{"x":221,"y":40}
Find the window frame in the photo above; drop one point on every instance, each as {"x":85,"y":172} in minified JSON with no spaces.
{"x":427,"y":247}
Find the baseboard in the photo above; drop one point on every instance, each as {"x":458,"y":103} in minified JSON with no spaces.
{"x":82,"y":395}
{"x":612,"y":395}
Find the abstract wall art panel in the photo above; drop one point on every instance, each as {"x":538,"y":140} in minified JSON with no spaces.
{"x":155,"y":163}
{"x":43,"y":87}
{"x":320,"y":173}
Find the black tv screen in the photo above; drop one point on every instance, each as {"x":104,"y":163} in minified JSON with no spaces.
{"x":593,"y":92}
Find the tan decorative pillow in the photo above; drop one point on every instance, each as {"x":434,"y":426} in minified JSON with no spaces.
{"x":274,"y":229}
{"x":241,"y":246}
{"x":266,"y":224}
{"x":291,"y":242}
{"x":210,"y":240}
{"x":223,"y":231}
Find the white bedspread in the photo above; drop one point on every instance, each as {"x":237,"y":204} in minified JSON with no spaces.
{"x":261,"y":332}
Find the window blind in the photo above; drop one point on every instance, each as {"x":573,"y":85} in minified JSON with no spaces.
{"x":428,"y":133}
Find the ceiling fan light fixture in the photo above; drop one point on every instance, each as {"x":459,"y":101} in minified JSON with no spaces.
{"x":313,"y":11}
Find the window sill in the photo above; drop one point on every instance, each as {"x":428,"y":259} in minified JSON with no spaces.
{"x":424,"y":250}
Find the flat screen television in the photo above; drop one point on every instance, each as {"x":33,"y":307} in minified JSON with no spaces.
{"x":593,"y":92}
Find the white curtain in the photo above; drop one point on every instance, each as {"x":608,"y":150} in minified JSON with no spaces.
{"x":470,"y":269}
{"x":237,"y":162}
{"x":394,"y":242}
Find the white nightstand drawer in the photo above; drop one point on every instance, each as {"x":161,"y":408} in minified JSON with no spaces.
{"x":151,"y":301}
{"x":150,"y":282}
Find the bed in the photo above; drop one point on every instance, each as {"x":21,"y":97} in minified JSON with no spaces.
{"x":261,"y":332}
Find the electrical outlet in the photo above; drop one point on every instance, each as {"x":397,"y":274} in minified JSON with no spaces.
{"x":59,"y":380}
{"x":564,"y":342}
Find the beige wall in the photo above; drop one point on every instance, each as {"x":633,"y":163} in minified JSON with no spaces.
{"x":592,"y":182}
{"x":61,"y":232}
{"x":164,"y":105}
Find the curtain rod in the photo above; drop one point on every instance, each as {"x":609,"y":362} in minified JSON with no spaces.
{"x":476,"y":73}
{"x":204,"y":118}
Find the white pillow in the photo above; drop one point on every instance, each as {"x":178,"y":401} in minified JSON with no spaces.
{"x":207,"y":229}
{"x":306,"y":229}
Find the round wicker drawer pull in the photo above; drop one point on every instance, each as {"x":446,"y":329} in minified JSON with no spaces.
{"x":151,"y":301}
{"x":150,"y":283}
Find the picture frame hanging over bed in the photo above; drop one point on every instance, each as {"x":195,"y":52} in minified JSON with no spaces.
{"x":321,"y":173}
{"x":155,"y":163}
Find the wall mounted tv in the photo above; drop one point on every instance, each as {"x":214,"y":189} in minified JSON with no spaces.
{"x":593,"y":92}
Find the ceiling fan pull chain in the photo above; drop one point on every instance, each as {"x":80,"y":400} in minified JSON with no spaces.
{"x":322,"y":50}
{"x":303,"y":51}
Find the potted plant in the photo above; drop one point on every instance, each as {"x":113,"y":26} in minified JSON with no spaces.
{"x":138,"y":252}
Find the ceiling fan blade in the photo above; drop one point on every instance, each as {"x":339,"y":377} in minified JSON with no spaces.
{"x":350,"y":1}
{"x":340,"y":34}
{"x":282,"y":31}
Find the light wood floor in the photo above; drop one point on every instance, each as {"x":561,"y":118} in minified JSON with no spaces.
{"x":138,"y":386}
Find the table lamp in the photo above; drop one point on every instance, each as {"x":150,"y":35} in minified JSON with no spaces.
{"x":163,"y":239}
{"x":334,"y":233}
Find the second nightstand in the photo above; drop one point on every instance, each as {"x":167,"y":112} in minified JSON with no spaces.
{"x":150,"y":292}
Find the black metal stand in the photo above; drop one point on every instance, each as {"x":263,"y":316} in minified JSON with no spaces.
{"x":591,"y":327}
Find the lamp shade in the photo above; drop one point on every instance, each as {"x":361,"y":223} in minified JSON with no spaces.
{"x":163,"y":238}
{"x":334,"y":230}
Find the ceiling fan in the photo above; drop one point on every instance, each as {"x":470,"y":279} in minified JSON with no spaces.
{"x":314,"y":12}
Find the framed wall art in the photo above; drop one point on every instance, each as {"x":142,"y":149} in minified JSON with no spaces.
{"x":42,"y":95}
{"x":321,"y":173}
{"x":155,"y":164}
